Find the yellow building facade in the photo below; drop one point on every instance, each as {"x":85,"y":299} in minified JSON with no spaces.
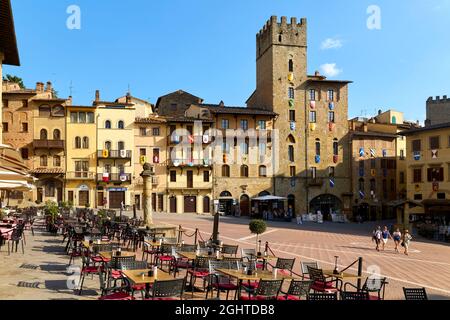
{"x":81,"y":164}
{"x":428,"y":184}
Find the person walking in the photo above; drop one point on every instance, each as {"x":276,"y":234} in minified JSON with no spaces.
{"x":377,"y":234}
{"x":385,"y":236}
{"x":397,"y":235}
{"x":406,"y":241}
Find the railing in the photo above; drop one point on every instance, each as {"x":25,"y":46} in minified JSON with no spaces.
{"x":114,"y":177}
{"x":80,"y":175}
{"x":48,"y":144}
{"x":114,"y":154}
{"x":189,"y":163}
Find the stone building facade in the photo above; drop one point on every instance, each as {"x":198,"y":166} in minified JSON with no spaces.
{"x":438,"y":111}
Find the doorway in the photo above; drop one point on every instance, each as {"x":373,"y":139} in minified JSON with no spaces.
{"x":116,"y":198}
{"x":83,"y":198}
{"x":244,"y":205}
{"x":190,"y":204}
{"x":137,"y":201}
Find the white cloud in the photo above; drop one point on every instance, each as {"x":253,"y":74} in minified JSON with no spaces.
{"x":330,"y":70}
{"x":331,"y":43}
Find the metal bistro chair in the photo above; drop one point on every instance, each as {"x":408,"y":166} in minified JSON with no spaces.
{"x":219,"y":281}
{"x":230,"y":250}
{"x":304,"y":268}
{"x":16,"y":237}
{"x":188,"y":248}
{"x":165,"y":256}
{"x":284,"y":265}
{"x":266,"y":290}
{"x":200,"y":270}
{"x":321,"y":283}
{"x":179,"y":263}
{"x":168,"y":289}
{"x":354,"y":295}
{"x":322,"y":296}
{"x":415,"y":294}
{"x":117,"y":293}
{"x":373,"y":287}
{"x":297,"y":290}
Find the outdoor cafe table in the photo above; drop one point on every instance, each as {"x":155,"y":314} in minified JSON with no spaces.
{"x":192,"y":255}
{"x":140,"y":276}
{"x":88,"y":245}
{"x":109,"y":254}
{"x":259,"y":275}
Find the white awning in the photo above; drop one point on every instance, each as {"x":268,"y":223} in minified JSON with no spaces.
{"x":269,"y":198}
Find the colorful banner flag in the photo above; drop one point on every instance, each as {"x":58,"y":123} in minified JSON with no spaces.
{"x":434,"y":154}
{"x":416,"y":155}
{"x":361,"y":152}
{"x":331,"y":183}
{"x":362,"y":195}
{"x":372,"y":153}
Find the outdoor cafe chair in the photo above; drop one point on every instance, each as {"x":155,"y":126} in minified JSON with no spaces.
{"x":297,"y":290}
{"x":284,"y":265}
{"x":178,"y":262}
{"x":188,"y":248}
{"x":304,"y":268}
{"x":200,"y":270}
{"x":16,"y":237}
{"x":373,"y":287}
{"x":202,"y":244}
{"x":219,"y":281}
{"x":248,"y":254}
{"x":266,"y":290}
{"x":229,"y":249}
{"x":321,"y":283}
{"x":168,"y":289}
{"x":322,"y":296}
{"x":117,"y":293}
{"x":87,"y":268}
{"x":164,"y":255}
{"x":415,"y":294}
{"x":354,"y":295}
{"x":171,"y":241}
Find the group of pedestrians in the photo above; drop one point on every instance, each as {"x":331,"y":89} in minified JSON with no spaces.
{"x":381,"y":237}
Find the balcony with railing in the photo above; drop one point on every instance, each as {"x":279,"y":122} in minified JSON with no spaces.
{"x":80,"y":175}
{"x":189,"y":163}
{"x":114,"y":177}
{"x":48,"y":144}
{"x":190,"y":139}
{"x":114,"y":154}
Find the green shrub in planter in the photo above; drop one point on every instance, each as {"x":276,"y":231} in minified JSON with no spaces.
{"x":257,"y":227}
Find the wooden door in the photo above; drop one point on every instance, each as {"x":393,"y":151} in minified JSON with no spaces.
{"x":173,"y":205}
{"x":190,"y":204}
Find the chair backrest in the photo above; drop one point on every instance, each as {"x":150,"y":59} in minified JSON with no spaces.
{"x":116,"y":261}
{"x":285,"y":264}
{"x":96,"y":248}
{"x":133,"y":265}
{"x":202,"y":244}
{"x":415,"y":294}
{"x":188,"y":248}
{"x":170,"y":240}
{"x":16,"y":234}
{"x":218,"y":264}
{"x":166,"y":248}
{"x":229,"y":249}
{"x":322,"y":296}
{"x":299,"y":288}
{"x":316,"y":274}
{"x":354,"y":295}
{"x":268,"y":289}
{"x":168,"y":288}
{"x":304,"y":266}
{"x":248,"y":253}
{"x":374,"y":284}
{"x":202,"y":262}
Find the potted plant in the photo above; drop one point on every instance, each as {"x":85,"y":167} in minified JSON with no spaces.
{"x":51,"y":212}
{"x":257,"y":227}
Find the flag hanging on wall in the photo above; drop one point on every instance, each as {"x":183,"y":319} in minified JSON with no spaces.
{"x":361,"y":152}
{"x":384,"y":153}
{"x":361,"y":194}
{"x":331,"y":183}
{"x":434,"y":154}
{"x":417,"y":155}
{"x":372,"y":153}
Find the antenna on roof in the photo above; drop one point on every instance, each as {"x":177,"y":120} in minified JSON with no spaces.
{"x":129,"y":91}
{"x":70,"y":88}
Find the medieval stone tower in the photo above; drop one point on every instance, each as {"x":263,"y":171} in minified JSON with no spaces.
{"x":311,"y":124}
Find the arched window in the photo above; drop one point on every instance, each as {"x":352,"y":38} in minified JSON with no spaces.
{"x":225,"y":194}
{"x":373,"y":185}
{"x":317,"y":147}
{"x":262,"y":171}
{"x":225,"y":171}
{"x":44,"y":161}
{"x":43,"y":134}
{"x":56,"y":161}
{"x":107,"y":124}
{"x":291,"y":65}
{"x":121,"y":125}
{"x":291,"y":153}
{"x":56,"y":134}
{"x":290,"y":139}
{"x":244,"y":171}
{"x":121,"y":145}
{"x":44,"y":111}
{"x":58,"y":111}
{"x":280,"y":38}
{"x":108,"y":145}
{"x":85,"y":143}
{"x":206,"y":205}
{"x":77,"y":143}
{"x":244,"y":147}
{"x":50,"y":189}
{"x":335,"y":147}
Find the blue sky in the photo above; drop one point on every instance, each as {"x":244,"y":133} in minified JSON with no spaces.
{"x":207,"y":47}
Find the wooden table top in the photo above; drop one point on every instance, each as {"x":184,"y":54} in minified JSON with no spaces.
{"x":342,"y":275}
{"x":153,"y":244}
{"x":136,"y":276}
{"x":109,"y":254}
{"x":260,"y":274}
{"x":86,"y":244}
{"x":193,"y":255}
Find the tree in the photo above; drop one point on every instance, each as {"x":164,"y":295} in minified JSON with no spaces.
{"x":14,"y":79}
{"x":257,"y":227}
{"x":54,"y":93}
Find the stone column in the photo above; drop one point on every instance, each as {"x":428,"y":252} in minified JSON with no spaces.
{"x":147,"y":175}
{"x":1,"y":97}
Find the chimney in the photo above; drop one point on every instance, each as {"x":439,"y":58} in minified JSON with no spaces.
{"x":69,"y":101}
{"x":221,"y":103}
{"x":365,"y":127}
{"x":39,"y":87}
{"x":128,"y":98}
{"x":317,"y":73}
{"x":97,"y":95}
{"x":379,"y":112}
{"x":49,"y":87}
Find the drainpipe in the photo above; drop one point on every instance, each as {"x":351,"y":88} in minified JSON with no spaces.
{"x":306,"y":152}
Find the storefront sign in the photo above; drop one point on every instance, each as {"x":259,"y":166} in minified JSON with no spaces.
{"x":117,"y":189}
